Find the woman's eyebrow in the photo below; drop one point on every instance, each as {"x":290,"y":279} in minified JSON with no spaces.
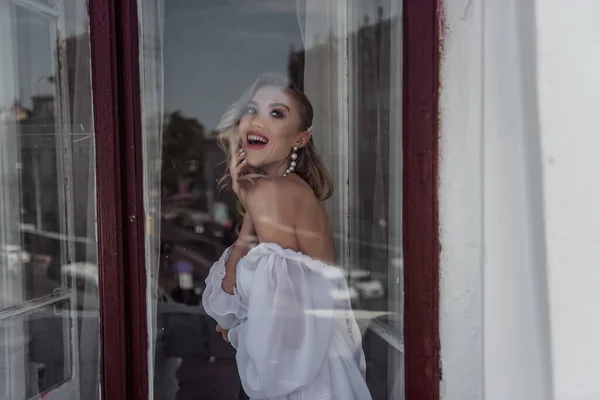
{"x":253,"y":103}
{"x":280,"y":105}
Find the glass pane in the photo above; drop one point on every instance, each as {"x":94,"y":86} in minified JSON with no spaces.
{"x":345,"y":57}
{"x":49,"y":337}
{"x":48,"y":361}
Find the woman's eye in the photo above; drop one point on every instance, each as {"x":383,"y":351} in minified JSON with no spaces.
{"x":277,"y":114}
{"x":250,"y":110}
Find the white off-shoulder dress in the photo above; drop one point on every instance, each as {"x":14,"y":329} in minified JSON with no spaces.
{"x":292,"y":326}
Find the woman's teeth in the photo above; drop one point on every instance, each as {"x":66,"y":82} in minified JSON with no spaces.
{"x":255,"y":139}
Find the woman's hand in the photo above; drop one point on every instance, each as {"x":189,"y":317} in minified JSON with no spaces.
{"x":228,"y":283}
{"x":236,"y":168}
{"x":223,"y":332}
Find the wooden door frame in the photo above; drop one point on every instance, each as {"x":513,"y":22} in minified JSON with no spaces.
{"x":118,"y":137}
{"x":119,"y":180}
{"x":422,"y":47}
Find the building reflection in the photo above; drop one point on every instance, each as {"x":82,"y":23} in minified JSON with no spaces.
{"x":49,"y":232}
{"x":197,"y":220}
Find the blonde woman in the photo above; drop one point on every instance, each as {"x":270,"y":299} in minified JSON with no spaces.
{"x":278,"y":301}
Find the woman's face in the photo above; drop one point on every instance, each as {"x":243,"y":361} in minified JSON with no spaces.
{"x":269,"y":127}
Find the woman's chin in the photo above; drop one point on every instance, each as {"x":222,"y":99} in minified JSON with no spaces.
{"x":255,"y":162}
{"x":253,"y":167}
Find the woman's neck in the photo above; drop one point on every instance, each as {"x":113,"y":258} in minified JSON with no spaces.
{"x":276,"y":170}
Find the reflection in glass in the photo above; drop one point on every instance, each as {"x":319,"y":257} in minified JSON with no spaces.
{"x":347,"y":57}
{"x":49,"y":338}
{"x":47,"y":363}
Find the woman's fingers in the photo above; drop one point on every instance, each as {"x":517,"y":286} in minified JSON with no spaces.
{"x":237,"y":160}
{"x":224,"y":333}
{"x":236,"y":166}
{"x":241,"y":158}
{"x":225,"y":287}
{"x":240,"y":163}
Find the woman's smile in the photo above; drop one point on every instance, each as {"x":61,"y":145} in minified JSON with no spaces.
{"x":256,"y":140}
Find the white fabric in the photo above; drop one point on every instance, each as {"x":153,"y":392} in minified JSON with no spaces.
{"x":295,"y":337}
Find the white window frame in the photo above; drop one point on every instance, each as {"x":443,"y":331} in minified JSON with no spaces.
{"x":15,"y":356}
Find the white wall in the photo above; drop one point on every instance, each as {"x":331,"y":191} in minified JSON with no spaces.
{"x":460,"y":200}
{"x":568,"y":54}
{"x":519,"y":183}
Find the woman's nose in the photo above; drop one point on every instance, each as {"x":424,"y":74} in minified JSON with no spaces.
{"x":257,"y":121}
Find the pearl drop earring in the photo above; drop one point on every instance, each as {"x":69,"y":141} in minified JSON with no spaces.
{"x":292,"y":166}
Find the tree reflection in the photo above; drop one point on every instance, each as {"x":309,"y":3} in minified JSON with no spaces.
{"x":182,"y":154}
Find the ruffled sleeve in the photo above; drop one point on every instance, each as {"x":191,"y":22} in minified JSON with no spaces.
{"x":224,"y":308}
{"x":282,"y":344}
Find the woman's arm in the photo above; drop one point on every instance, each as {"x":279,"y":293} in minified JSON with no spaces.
{"x":237,"y":164}
{"x":240,"y":248}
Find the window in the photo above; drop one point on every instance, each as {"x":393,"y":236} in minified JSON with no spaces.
{"x":49,"y":316}
{"x":137,"y":228}
{"x":347,"y":57}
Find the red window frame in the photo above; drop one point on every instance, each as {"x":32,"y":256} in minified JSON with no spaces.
{"x":117,"y":119}
{"x":119,"y":180}
{"x":422,"y":47}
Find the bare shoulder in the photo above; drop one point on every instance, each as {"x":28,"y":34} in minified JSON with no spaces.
{"x":271,"y":191}
{"x":275,"y":206}
{"x":272,"y":205}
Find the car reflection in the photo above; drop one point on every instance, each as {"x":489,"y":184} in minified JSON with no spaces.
{"x":189,"y":354}
{"x":12,"y":257}
{"x":366,"y":284}
{"x":200,"y":223}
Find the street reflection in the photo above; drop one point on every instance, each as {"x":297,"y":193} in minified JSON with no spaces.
{"x":49,"y":306}
{"x":198,"y":222}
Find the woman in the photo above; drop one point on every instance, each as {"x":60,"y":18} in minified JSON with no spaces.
{"x":279,"y":303}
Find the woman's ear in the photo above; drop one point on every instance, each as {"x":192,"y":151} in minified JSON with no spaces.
{"x":303,"y":139}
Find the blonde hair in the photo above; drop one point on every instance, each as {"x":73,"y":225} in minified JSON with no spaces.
{"x":308,"y":164}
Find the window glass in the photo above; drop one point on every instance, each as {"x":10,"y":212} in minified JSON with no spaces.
{"x":49,"y":337}
{"x":198,"y":58}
